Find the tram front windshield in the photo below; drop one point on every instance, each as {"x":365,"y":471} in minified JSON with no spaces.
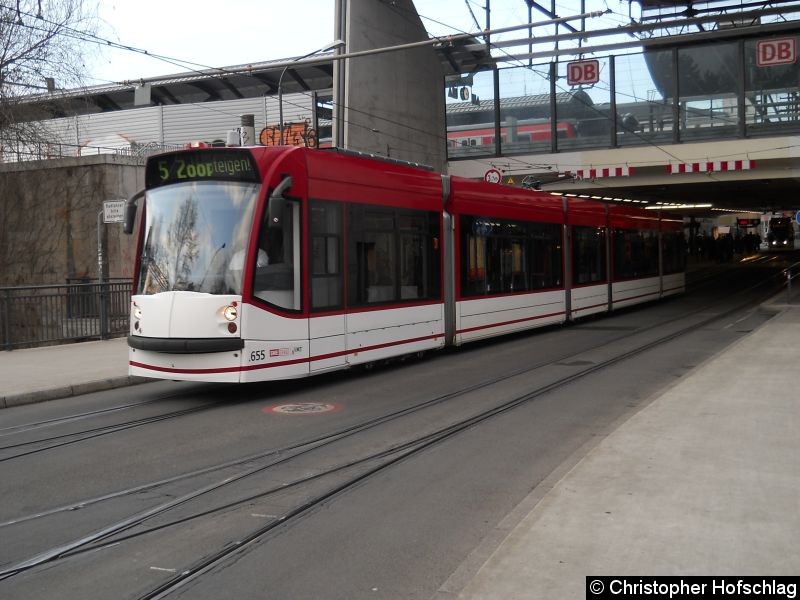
{"x":196,"y":236}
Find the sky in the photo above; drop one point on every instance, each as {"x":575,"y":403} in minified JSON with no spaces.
{"x":202,"y":34}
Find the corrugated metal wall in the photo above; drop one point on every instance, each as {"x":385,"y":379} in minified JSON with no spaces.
{"x":119,"y":128}
{"x":170,"y":125}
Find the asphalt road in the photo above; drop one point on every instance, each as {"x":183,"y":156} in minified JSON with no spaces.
{"x":343,"y":494}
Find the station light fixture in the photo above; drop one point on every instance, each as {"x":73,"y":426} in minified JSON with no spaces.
{"x":677,"y":206}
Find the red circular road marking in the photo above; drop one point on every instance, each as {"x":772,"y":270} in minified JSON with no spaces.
{"x":303,"y":408}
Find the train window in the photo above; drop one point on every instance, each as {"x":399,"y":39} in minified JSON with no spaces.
{"x":635,"y":253}
{"x":393,"y":255}
{"x":277,"y":276}
{"x":500,"y":256}
{"x":325,"y":261}
{"x":588,"y":255}
{"x":379,"y":259}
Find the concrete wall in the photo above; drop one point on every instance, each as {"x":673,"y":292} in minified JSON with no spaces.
{"x":48,"y":218}
{"x":391,"y":104}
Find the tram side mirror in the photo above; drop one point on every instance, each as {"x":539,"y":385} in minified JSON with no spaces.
{"x":277,"y":203}
{"x":130,"y":212}
{"x":275,"y":211}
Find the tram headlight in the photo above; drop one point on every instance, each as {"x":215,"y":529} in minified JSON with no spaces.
{"x":230,"y":313}
{"x":137,"y":312}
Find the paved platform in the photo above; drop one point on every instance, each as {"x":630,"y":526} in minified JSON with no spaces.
{"x":52,"y":372}
{"x":703,"y":481}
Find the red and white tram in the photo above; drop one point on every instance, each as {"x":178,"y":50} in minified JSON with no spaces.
{"x":278,"y":262}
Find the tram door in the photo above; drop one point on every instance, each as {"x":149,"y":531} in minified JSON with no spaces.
{"x":326,"y":325}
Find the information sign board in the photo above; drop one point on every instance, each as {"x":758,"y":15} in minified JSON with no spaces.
{"x":114,"y":211}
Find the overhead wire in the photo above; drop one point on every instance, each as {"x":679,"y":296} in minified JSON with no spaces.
{"x":92,"y":38}
{"x":88,"y":37}
{"x":588,"y":106}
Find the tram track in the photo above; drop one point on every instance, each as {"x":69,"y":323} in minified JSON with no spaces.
{"x":101,"y":412}
{"x":91,"y":433}
{"x":335,"y":435}
{"x":60,"y":441}
{"x":385,"y":458}
{"x":401,"y":453}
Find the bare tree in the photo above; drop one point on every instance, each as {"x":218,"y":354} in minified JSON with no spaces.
{"x":42,"y":46}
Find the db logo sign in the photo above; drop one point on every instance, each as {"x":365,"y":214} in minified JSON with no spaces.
{"x":583,"y":72}
{"x":776,"y":52}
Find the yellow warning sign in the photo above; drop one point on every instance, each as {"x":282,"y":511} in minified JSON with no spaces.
{"x":510,"y":181}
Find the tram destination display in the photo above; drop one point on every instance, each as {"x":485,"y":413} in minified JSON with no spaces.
{"x":225,"y":165}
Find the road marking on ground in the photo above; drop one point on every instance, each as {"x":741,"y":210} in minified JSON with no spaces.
{"x":160,"y":569}
{"x":303,"y":408}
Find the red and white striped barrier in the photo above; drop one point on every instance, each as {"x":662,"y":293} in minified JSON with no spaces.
{"x":708,"y":167}
{"x":622,"y":171}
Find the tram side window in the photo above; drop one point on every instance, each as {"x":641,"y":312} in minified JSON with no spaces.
{"x":588,"y":255}
{"x":277,"y":276}
{"x":500,"y":256}
{"x":393,"y":255}
{"x":635,"y":253}
{"x":674,"y":252}
{"x":326,"y":244}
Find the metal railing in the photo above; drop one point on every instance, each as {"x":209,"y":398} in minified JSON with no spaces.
{"x":51,"y":314}
{"x":17,"y":150}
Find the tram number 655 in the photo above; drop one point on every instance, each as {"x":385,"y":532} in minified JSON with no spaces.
{"x":257,"y":355}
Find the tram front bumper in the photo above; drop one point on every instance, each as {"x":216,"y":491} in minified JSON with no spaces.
{"x":183,"y":359}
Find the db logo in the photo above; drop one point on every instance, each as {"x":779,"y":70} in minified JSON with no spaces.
{"x":776,"y":52}
{"x":583,"y":72}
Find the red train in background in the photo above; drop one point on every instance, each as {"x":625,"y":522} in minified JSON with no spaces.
{"x":278,"y":262}
{"x":521,"y":132}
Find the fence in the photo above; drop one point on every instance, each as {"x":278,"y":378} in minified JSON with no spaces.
{"x":19,"y":150}
{"x":47,"y":314}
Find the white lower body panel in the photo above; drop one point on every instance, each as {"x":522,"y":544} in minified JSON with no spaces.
{"x":482,"y":318}
{"x":589,"y":300}
{"x":216,"y":366}
{"x":381,"y":334}
{"x":330,"y":342}
{"x":635,"y":291}
{"x":674,"y":284}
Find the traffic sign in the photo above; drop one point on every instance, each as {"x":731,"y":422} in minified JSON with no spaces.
{"x":583,"y":72}
{"x":114,"y":211}
{"x":492,"y":176}
{"x":782,"y":51}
